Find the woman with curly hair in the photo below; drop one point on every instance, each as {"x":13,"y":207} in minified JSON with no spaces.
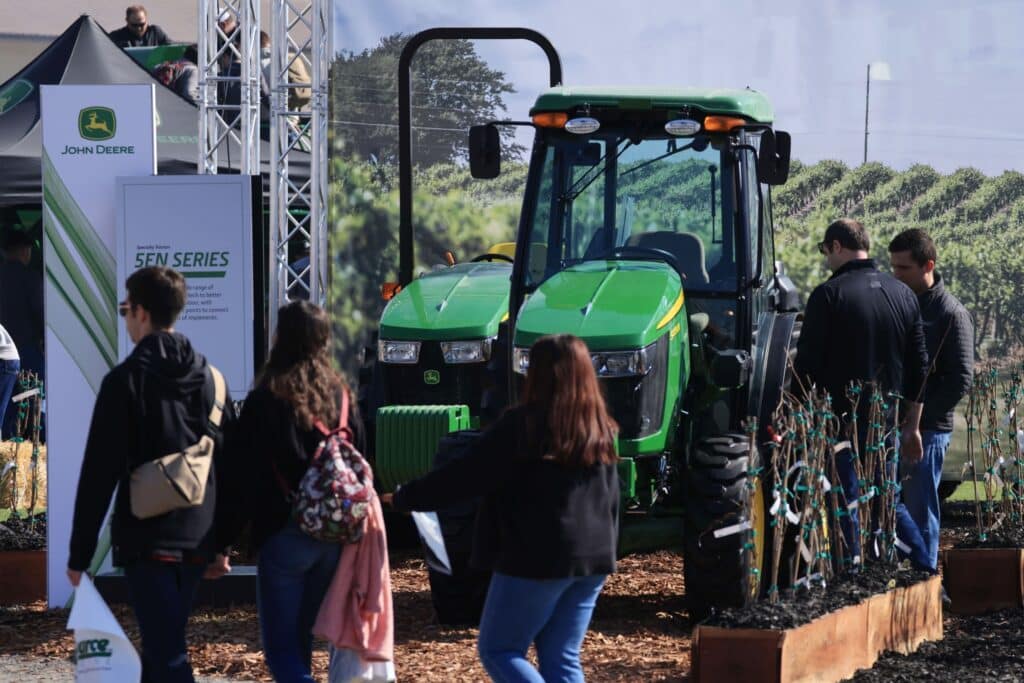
{"x":274,"y":442}
{"x":548,"y":523}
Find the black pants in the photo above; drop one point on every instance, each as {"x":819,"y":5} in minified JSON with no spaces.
{"x":162,"y":594}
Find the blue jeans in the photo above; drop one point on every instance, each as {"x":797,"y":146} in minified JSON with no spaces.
{"x":162,"y":594}
{"x":294,"y":572}
{"x":8,"y":413}
{"x":906,"y":529}
{"x":553,"y":614}
{"x":921,"y":491}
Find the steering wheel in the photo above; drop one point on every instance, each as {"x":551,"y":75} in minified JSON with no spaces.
{"x":489,"y":257}
{"x":645,"y":254}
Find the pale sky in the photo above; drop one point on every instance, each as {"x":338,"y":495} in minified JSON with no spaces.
{"x":957,"y":65}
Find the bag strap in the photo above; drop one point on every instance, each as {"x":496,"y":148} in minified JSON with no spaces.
{"x":342,"y":427}
{"x":219,"y":396}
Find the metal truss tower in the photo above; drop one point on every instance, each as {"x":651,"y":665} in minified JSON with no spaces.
{"x":229,"y":85}
{"x":230,"y":70}
{"x":300,"y":48}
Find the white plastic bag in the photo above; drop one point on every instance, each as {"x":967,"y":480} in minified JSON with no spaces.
{"x":103,"y":654}
{"x":346,"y":666}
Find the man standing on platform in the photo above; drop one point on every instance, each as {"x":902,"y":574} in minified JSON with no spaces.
{"x":949,"y":333}
{"x":137,"y":31}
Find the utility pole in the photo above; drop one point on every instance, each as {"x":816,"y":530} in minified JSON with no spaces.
{"x":867,"y":100}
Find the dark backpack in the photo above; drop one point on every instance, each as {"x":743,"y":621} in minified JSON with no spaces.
{"x":333,"y":498}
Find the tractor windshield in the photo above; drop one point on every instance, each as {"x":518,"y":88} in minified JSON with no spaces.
{"x":612,"y":195}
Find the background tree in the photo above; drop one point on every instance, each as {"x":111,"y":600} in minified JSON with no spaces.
{"x":453,"y":89}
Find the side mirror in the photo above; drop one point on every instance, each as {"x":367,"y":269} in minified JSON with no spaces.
{"x":773,"y":159}
{"x":484,"y":152}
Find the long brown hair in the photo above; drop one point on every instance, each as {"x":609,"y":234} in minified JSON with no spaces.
{"x":562,"y":385}
{"x":299,"y":369}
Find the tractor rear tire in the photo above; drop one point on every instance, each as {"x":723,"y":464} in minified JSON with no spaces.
{"x":716,"y":569}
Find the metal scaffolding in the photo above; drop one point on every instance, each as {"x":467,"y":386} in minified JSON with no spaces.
{"x":230,"y":78}
{"x":229,"y":85}
{"x":300,"y":49}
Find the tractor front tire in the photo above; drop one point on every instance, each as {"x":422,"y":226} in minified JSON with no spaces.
{"x":716,"y":570}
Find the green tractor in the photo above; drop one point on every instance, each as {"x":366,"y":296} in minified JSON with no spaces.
{"x":443,"y":337}
{"x":646,"y":230}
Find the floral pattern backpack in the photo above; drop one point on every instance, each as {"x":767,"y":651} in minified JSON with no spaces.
{"x":333,"y":497}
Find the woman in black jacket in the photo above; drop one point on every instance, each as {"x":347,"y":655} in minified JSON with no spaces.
{"x":270,"y":451}
{"x":549,"y":519}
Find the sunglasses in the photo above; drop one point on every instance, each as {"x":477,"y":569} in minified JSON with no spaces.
{"x":124,"y":307}
{"x":823,"y":247}
{"x":142,"y":25}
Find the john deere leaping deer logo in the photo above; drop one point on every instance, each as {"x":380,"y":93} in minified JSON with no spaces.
{"x":97,"y":123}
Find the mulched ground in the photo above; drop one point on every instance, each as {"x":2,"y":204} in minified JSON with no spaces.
{"x":640,"y":631}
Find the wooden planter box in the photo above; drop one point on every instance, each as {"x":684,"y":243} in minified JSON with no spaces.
{"x":22,"y":576}
{"x":981,"y":580}
{"x":830,"y":648}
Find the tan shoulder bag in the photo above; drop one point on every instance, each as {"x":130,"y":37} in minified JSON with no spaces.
{"x":178,"y":480}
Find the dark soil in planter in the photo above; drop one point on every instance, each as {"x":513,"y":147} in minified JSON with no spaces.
{"x":20,"y":534}
{"x":805,"y":605}
{"x":959,"y":524}
{"x":975,"y":649}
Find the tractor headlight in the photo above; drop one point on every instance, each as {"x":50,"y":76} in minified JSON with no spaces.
{"x":402,"y":352}
{"x":624,"y":363}
{"x":476,"y":351}
{"x":521,"y":359}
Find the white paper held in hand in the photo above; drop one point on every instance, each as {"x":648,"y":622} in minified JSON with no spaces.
{"x":429,"y":528}
{"x":103,"y":654}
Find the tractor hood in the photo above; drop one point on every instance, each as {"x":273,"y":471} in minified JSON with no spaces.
{"x":466,"y":301}
{"x":611,"y":305}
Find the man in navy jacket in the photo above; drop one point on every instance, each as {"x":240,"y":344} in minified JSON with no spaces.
{"x":949,"y":333}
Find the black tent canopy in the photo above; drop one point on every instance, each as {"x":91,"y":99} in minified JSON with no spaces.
{"x":85,"y":55}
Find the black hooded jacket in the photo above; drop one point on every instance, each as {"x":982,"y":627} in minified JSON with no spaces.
{"x":155,"y":403}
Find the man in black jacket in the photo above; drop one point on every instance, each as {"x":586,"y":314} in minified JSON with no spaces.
{"x":155,"y":403}
{"x":862,"y":325}
{"x":137,"y":31}
{"x":949,"y":333}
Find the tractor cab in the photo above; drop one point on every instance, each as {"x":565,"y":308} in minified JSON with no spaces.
{"x":646,"y":231}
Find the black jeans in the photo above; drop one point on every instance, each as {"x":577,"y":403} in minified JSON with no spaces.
{"x":162,"y":594}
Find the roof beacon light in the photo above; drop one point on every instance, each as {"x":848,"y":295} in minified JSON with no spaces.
{"x":582,"y":125}
{"x":682,"y":127}
{"x":550,"y":119}
{"x":722,"y":124}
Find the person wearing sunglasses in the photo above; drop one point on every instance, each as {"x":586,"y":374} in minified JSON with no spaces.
{"x":137,"y":31}
{"x":864,"y":326}
{"x":160,"y":400}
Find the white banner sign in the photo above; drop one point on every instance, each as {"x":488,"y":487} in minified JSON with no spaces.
{"x":202,"y":227}
{"x":91,"y":135}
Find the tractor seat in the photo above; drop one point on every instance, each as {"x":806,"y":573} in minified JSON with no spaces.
{"x":504,"y":249}
{"x":685,"y":246}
